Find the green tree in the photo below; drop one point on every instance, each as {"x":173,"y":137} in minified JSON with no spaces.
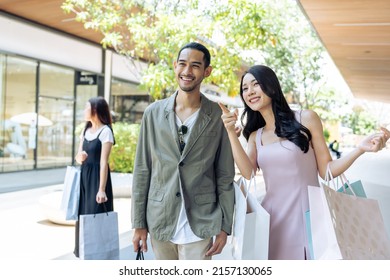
{"x":238,"y":34}
{"x":156,"y":29}
{"x":123,"y":152}
{"x":296,"y":54}
{"x":300,"y":61}
{"x":360,"y":121}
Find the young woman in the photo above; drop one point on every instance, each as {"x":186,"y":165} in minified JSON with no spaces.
{"x":94,"y":150}
{"x":290,"y":149}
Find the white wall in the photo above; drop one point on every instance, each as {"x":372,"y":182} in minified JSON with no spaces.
{"x":20,"y":38}
{"x":126,"y":69}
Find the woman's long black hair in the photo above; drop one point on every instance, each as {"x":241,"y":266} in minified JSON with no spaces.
{"x":286,"y":125}
{"x":99,"y":107}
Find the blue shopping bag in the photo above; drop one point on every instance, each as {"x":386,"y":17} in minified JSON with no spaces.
{"x":357,"y":188}
{"x":71,"y":193}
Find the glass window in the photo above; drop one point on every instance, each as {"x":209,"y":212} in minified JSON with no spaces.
{"x":56,"y":81}
{"x":2,"y":111}
{"x":18,"y":95}
{"x":55,"y":121}
{"x":37,"y":119}
{"x":128,"y":101}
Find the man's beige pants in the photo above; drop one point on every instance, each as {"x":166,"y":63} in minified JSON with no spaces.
{"x":166,"y":250}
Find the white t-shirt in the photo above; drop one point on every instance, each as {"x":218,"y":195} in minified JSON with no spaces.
{"x":184,"y":233}
{"x":105,"y":135}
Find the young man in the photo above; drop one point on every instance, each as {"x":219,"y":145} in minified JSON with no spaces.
{"x":183,"y":192}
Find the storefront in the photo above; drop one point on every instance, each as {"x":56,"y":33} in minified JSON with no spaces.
{"x":45,"y":80}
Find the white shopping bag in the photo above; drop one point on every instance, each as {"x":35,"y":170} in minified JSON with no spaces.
{"x":250,"y":235}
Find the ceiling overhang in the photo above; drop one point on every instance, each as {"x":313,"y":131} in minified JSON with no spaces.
{"x":356,"y":35}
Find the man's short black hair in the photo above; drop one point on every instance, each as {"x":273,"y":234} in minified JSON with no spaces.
{"x":199,"y":47}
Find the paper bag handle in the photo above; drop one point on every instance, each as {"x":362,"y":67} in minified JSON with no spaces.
{"x":252,"y":180}
{"x":344,"y":181}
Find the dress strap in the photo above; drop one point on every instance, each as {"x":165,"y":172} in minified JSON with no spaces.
{"x":258,"y":136}
{"x":101,"y":131}
{"x":298,"y":115}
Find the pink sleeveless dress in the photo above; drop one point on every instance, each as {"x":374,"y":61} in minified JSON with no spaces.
{"x":287,"y":172}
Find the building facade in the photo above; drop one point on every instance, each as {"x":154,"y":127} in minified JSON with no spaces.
{"x":46,"y":77}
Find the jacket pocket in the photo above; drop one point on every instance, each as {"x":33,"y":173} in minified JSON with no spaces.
{"x":156,"y":195}
{"x":205,"y":198}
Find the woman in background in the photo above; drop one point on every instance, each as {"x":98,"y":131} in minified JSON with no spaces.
{"x":93,"y":153}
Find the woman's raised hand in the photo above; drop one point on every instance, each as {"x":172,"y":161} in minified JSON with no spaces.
{"x":375,"y":142}
{"x":229,"y":119}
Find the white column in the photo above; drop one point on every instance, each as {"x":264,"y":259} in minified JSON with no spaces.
{"x":107,"y":74}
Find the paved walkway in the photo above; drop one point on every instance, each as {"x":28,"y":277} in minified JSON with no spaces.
{"x":27,"y":180}
{"x":28,"y":234}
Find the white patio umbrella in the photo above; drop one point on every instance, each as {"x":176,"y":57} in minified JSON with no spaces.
{"x":28,"y":118}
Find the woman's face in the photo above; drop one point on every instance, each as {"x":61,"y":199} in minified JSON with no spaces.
{"x":253,"y":95}
{"x":87,"y":112}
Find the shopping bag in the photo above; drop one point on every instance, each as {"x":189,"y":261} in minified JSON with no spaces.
{"x":140,"y":255}
{"x":250,"y":234}
{"x":309,"y":234}
{"x":235,"y":243}
{"x":353,"y":188}
{"x":346,"y":226}
{"x":256,"y":231}
{"x":99,"y":238}
{"x":322,"y":240}
{"x":316,"y":201}
{"x":71,"y":193}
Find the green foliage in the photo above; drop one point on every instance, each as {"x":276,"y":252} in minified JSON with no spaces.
{"x":360,"y":121}
{"x":329,"y":104}
{"x":296,"y":54}
{"x":123,"y":152}
{"x":77,"y":132}
{"x":326,"y":134}
{"x":238,"y":34}
{"x":299,"y":59}
{"x":155,"y":30}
